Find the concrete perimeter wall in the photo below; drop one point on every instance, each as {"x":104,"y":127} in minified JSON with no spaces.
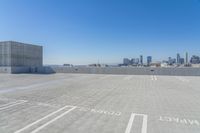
{"x":127,"y":71}
{"x":106,"y":70}
{"x":5,"y":69}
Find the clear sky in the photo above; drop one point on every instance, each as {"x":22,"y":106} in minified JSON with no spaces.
{"x":88,"y":31}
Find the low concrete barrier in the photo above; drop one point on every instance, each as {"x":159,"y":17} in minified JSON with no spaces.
{"x":129,"y":71}
{"x":105,"y":70}
{"x":5,"y":69}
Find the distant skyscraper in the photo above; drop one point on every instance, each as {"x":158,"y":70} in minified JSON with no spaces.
{"x":178,"y":58}
{"x":186,"y":58}
{"x":149,"y":60}
{"x":182,"y":60}
{"x":135,"y":61}
{"x":126,"y":61}
{"x":141,"y":59}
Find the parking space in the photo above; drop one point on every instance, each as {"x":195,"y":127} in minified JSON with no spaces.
{"x":81,"y":103}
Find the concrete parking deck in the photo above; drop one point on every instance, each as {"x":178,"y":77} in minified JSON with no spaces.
{"x":82,"y":103}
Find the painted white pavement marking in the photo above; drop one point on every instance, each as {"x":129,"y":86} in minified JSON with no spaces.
{"x":45,"y":117}
{"x":128,"y":128}
{"x":128,"y":77}
{"x":131,"y":120}
{"x":182,"y":79}
{"x":58,"y":117}
{"x":7,"y":104}
{"x":11,"y":104}
{"x":99,"y":111}
{"x":177,"y":120}
{"x":154,"y":77}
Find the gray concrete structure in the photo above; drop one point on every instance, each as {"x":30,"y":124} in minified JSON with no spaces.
{"x":20,"y":57}
{"x":187,"y":71}
{"x":82,"y":103}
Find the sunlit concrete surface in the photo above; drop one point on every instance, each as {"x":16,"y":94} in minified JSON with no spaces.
{"x":83,"y":103}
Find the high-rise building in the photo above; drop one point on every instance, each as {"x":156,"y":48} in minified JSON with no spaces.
{"x":186,"y":57}
{"x":141,"y":59}
{"x":182,"y":60}
{"x":135,"y":61}
{"x":149,"y":60}
{"x":126,"y":61}
{"x":178,"y":58}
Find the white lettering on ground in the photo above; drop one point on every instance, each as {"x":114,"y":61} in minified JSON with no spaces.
{"x":179,"y":120}
{"x":104,"y":112}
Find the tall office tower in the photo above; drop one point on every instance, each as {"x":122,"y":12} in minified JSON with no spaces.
{"x":186,"y":58}
{"x":149,"y":60}
{"x":141,"y":59}
{"x":182,"y":60}
{"x":135,"y":61}
{"x":126,"y":61}
{"x":178,"y":58}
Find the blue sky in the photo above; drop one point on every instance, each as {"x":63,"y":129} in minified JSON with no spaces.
{"x":88,"y":31}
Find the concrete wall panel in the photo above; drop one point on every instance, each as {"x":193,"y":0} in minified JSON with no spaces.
{"x":129,"y":71}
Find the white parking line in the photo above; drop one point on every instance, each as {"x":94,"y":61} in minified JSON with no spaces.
{"x":39,"y":128}
{"x":130,"y":123}
{"x":154,"y":77}
{"x":58,"y":117}
{"x":128,"y":77}
{"x":182,"y":79}
{"x":11,"y":104}
{"x":7,"y":104}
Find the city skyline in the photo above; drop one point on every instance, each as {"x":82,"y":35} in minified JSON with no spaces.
{"x":91,"y":31}
{"x":178,"y":60}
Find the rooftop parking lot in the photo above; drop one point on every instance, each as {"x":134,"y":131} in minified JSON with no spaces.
{"x":83,"y":103}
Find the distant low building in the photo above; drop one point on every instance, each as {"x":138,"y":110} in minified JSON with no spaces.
{"x":68,"y":65}
{"x":98,"y":65}
{"x":164,"y":64}
{"x":171,"y":61}
{"x":155,"y":64}
{"x":195,"y":59}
